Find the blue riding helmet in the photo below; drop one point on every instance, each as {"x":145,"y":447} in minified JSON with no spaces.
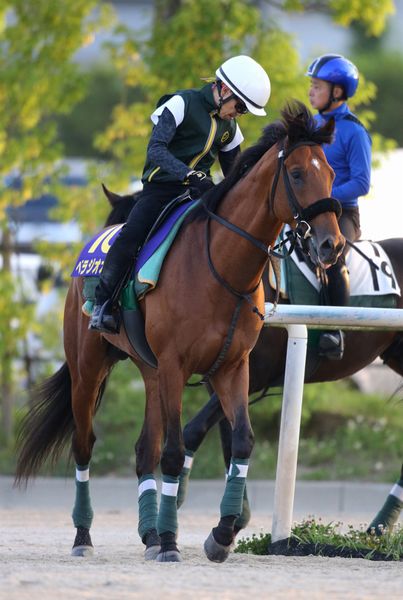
{"x":335,"y":69}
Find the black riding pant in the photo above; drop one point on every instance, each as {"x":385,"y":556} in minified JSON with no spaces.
{"x":338,"y":285}
{"x":152,"y":200}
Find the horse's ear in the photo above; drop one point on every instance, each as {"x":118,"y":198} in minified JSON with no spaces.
{"x":113,"y":198}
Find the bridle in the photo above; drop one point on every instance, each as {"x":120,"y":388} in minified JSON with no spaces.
{"x":302,"y":231}
{"x":301,"y":215}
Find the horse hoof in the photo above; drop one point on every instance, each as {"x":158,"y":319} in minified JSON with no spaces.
{"x":151,"y":552}
{"x":82,"y":551}
{"x":214,"y":551}
{"x":169,"y":556}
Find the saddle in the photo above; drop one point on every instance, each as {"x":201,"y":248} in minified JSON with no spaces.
{"x":144,"y":275}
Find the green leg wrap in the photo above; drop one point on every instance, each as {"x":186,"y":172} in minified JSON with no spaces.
{"x":388,"y":516}
{"x":184,"y":478}
{"x":168,"y":513}
{"x":244,"y":518}
{"x":148,"y":506}
{"x":231,"y":504}
{"x":82,"y":511}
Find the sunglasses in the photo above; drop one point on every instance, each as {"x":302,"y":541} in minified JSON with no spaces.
{"x":240,"y":106}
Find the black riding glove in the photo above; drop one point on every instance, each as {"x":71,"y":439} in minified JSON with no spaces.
{"x":198,"y":183}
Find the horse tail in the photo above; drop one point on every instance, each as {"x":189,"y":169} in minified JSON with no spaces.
{"x":47,"y":426}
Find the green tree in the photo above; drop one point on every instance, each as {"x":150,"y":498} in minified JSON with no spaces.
{"x":38,"y":80}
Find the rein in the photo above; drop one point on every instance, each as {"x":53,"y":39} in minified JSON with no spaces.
{"x":302,"y":230}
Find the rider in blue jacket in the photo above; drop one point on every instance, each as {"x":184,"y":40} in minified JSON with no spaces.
{"x":334,"y":79}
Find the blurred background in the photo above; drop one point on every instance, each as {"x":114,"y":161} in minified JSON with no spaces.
{"x":78,"y":81}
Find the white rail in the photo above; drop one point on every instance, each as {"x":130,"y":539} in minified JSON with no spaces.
{"x":297,"y":319}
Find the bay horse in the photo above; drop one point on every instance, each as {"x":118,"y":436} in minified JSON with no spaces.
{"x":204,"y":317}
{"x":267,"y":367}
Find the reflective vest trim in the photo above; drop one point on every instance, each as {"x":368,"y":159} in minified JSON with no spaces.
{"x":209,"y":143}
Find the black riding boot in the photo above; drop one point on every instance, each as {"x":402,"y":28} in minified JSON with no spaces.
{"x":105,"y":315}
{"x":331,"y":343}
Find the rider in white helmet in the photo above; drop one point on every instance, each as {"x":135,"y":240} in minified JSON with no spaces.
{"x":191,"y":129}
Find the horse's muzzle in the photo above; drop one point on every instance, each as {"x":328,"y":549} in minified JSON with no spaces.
{"x":330,"y":249}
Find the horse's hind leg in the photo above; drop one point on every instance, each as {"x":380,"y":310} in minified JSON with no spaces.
{"x":148,"y":451}
{"x":88,"y":373}
{"x":232,"y":389}
{"x":194,"y":433}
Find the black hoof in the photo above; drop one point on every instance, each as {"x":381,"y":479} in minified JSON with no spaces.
{"x":169,"y":556}
{"x":151,"y":552}
{"x":82,"y":544}
{"x":214,"y":551}
{"x":153,"y":544}
{"x":82,"y":551}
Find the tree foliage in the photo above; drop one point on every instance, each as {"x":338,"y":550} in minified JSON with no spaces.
{"x":191,"y":38}
{"x":38,"y":80}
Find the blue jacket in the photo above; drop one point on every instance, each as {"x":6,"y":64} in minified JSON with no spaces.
{"x":349,"y":156}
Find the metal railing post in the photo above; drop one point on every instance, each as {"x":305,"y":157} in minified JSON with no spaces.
{"x":289,"y":432}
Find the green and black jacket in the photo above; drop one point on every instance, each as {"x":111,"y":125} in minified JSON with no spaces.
{"x":198,"y":139}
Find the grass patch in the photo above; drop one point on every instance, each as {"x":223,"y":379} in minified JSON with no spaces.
{"x":320,"y":539}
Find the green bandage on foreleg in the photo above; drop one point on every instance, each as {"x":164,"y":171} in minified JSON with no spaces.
{"x":148,"y":506}
{"x":168,"y":513}
{"x":389,"y":514}
{"x":231,"y":504}
{"x":244,"y":518}
{"x":184,"y":478}
{"x":82,"y":511}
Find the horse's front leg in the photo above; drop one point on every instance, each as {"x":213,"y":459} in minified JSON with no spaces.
{"x":231,"y":386}
{"x":148,"y":451}
{"x":171,"y":384}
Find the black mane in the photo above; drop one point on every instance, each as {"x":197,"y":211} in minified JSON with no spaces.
{"x":297,"y":125}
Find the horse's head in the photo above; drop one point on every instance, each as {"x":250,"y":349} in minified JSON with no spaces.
{"x":121,"y":206}
{"x":301,"y":193}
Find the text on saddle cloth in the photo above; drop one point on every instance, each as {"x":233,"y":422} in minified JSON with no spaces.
{"x":92,"y":257}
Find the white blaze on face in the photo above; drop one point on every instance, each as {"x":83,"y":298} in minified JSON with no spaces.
{"x":315,"y":163}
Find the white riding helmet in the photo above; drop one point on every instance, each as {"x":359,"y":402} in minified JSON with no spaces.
{"x":248,"y":80}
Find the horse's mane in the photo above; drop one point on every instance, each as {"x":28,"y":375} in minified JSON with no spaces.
{"x":296,"y":124}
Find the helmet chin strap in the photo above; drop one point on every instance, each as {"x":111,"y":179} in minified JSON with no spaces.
{"x":330,"y":101}
{"x":221,"y":100}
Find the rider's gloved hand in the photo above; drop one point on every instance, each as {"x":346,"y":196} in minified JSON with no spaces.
{"x":198,"y":183}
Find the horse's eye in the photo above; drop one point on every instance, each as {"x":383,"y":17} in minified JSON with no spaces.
{"x":296,"y":175}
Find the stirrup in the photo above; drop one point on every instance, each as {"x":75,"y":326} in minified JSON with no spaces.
{"x":104,"y":319}
{"x":331,"y":345}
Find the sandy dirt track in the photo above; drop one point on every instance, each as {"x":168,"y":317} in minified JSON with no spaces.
{"x":37,"y":533}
